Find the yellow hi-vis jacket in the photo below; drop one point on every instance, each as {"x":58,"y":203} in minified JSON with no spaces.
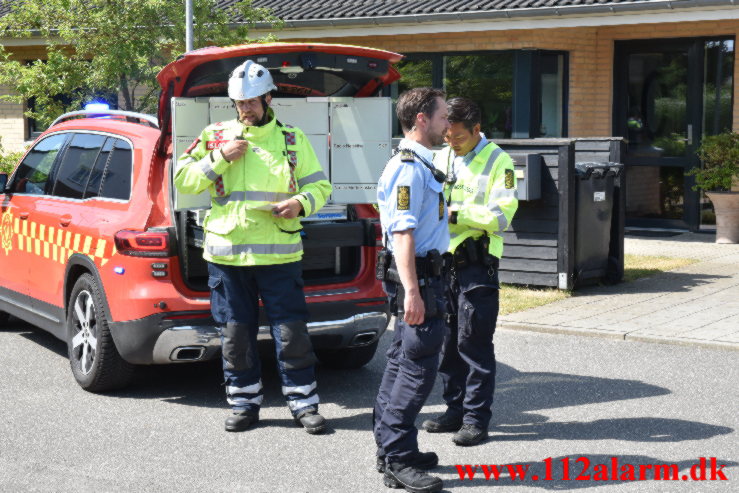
{"x":278,"y":164}
{"x":484,"y":196}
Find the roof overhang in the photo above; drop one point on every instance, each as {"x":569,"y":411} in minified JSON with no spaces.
{"x":631,"y":13}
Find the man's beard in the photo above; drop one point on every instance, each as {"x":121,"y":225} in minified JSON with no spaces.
{"x":437,"y":140}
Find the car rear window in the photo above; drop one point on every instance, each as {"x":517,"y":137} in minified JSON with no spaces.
{"x":295,"y":74}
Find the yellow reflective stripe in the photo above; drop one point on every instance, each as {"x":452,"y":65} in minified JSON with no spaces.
{"x":51,"y":242}
{"x":100,"y":250}
{"x":88,"y":242}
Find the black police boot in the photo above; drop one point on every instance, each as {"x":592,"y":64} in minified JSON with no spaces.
{"x":241,"y":420}
{"x":469,"y":435}
{"x":313,"y":422}
{"x":398,"y":475}
{"x":422,"y":460}
{"x":443,"y":424}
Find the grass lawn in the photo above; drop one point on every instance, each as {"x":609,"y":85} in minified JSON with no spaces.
{"x":516,"y":298}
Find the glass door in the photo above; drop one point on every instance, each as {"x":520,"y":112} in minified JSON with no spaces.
{"x":656,"y":93}
{"x":660,"y":109}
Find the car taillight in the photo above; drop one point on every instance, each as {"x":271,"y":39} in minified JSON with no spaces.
{"x":142,"y":243}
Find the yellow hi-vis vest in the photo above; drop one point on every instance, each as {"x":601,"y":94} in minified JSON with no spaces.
{"x":484,"y":196}
{"x":278,"y":164}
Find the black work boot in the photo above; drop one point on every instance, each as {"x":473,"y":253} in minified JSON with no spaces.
{"x":421,"y":460}
{"x":241,"y":420}
{"x":443,"y":424}
{"x":313,"y":422}
{"x":469,"y":435}
{"x":398,"y":475}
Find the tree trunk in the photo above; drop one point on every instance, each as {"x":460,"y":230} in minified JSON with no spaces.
{"x":128,"y":100}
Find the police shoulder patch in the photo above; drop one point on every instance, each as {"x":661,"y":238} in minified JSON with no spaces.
{"x":406,"y":155}
{"x":404,"y":198}
{"x":509,"y":181}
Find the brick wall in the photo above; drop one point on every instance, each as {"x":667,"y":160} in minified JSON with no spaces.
{"x":591,"y":52}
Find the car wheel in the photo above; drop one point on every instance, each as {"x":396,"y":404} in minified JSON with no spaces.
{"x":348,"y":358}
{"x":95,"y":362}
{"x":4,"y":318}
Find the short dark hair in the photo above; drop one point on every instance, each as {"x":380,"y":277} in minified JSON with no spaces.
{"x":464,"y":111}
{"x":415,"y":101}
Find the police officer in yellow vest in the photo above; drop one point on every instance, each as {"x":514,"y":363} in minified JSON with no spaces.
{"x":481,"y":195}
{"x":261,"y":175}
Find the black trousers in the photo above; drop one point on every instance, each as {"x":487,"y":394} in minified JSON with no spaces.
{"x":468,"y":357}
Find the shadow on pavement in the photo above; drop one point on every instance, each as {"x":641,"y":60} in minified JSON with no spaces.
{"x":586,"y":471}
{"x":517,"y":395}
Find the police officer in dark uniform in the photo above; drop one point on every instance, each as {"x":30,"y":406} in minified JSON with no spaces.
{"x":414,"y":223}
{"x":482,"y":199}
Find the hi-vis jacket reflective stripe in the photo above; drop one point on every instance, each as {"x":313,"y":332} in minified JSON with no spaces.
{"x":240,"y":228}
{"x":484,"y":196}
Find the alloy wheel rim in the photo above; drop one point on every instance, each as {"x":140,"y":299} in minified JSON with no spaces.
{"x":84,"y":342}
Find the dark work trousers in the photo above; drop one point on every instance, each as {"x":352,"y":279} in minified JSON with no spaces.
{"x":468,"y":358}
{"x":413,"y":360}
{"x":235,"y":293}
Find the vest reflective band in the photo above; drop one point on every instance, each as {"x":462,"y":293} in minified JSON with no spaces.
{"x":279,"y":249}
{"x":252,"y":195}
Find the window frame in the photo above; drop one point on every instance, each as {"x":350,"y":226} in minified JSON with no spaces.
{"x":55,"y":166}
{"x":52,"y":171}
{"x":533,"y":82}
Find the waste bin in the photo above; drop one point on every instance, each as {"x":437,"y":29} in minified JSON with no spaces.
{"x":594,"y":213}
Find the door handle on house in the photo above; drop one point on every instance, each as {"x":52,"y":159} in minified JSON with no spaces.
{"x":65,"y":220}
{"x":689,"y":140}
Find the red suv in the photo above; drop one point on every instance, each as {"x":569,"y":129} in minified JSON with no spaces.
{"x":94,"y":251}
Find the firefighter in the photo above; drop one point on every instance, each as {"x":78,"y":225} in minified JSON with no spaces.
{"x":481,"y":195}
{"x":414,"y":224}
{"x":261,"y":175}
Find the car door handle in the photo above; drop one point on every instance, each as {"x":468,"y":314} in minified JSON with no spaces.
{"x":23,"y":215}
{"x":65,"y":220}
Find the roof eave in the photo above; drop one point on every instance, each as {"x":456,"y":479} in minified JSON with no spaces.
{"x":482,"y":15}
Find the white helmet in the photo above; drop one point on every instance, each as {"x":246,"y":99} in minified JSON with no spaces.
{"x":249,"y":80}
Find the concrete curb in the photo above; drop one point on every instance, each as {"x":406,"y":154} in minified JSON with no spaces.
{"x":625,"y":336}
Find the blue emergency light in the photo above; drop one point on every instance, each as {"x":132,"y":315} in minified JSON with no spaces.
{"x":97,"y":106}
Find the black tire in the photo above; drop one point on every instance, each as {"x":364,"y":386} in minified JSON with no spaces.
{"x":348,"y":358}
{"x":95,"y":362}
{"x":4,"y":318}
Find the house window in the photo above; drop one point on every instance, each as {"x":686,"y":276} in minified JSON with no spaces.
{"x":552,"y":90}
{"x":522,"y":93}
{"x":718,"y":86}
{"x":487,"y":79}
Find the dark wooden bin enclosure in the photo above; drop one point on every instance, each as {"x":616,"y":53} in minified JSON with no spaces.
{"x":540,"y":242}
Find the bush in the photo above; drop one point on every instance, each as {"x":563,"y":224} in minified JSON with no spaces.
{"x":720,"y":157}
{"x":9,"y":159}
